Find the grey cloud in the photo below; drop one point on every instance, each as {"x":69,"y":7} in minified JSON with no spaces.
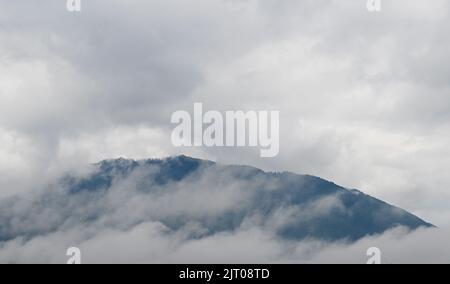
{"x":134,"y":221}
{"x":363,"y":98}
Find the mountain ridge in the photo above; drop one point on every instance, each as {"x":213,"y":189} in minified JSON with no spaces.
{"x":203,"y":198}
{"x":186,"y":157}
{"x":284,"y":174}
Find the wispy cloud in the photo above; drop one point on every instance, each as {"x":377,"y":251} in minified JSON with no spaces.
{"x":208,"y":216}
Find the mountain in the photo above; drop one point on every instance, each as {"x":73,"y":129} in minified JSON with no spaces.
{"x":206,"y":197}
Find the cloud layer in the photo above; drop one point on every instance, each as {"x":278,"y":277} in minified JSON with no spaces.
{"x":364,"y":98}
{"x":138,"y":218}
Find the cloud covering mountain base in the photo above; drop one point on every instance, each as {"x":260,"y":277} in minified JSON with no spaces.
{"x":183,"y":210}
{"x":153,"y":243}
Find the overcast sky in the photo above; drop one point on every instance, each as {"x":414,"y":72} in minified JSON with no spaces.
{"x":364,"y":98}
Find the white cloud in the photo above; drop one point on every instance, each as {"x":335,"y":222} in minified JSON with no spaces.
{"x":153,"y":243}
{"x":139,"y":221}
{"x":364,"y":98}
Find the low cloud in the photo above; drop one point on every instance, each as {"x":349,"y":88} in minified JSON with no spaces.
{"x":136,"y":220}
{"x":152,"y":242}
